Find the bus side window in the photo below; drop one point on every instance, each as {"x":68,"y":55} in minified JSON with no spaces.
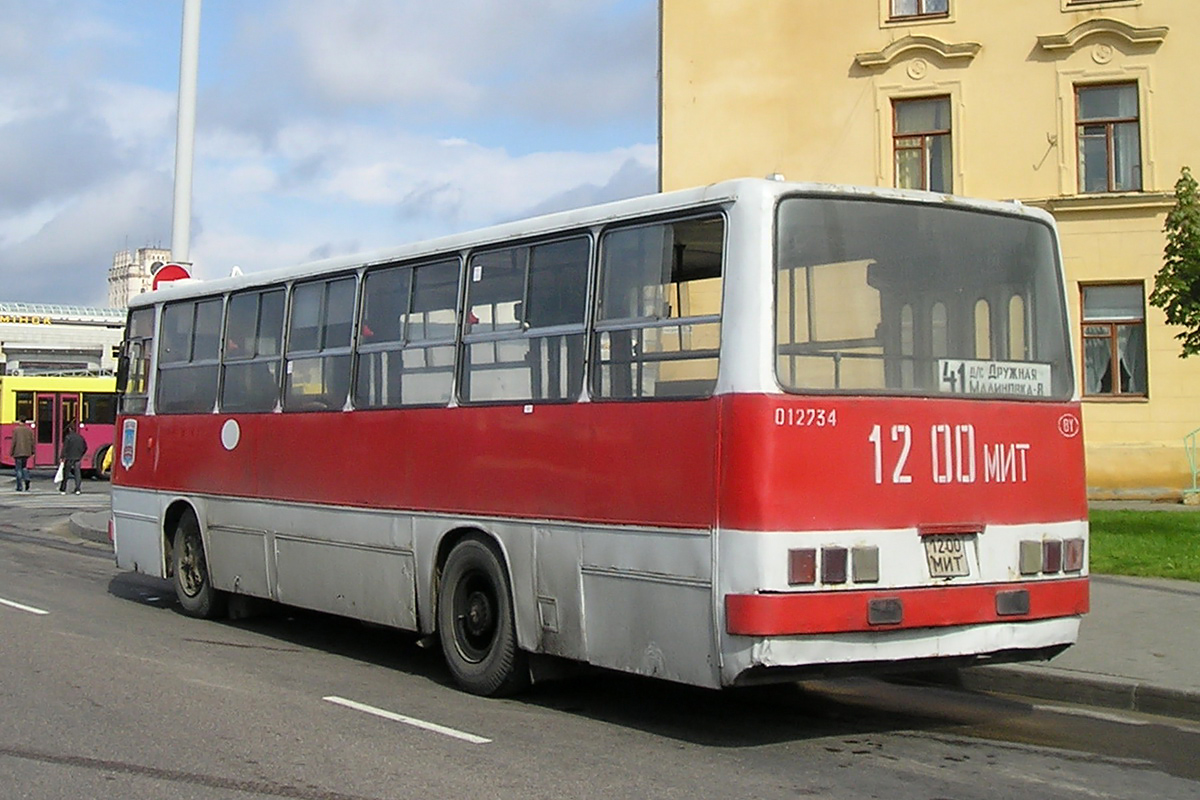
{"x":251,"y":361}
{"x":317,"y":373}
{"x":406,"y":336}
{"x":524,"y":336}
{"x":658,"y":319}
{"x":188,"y":357}
{"x":135,"y":361}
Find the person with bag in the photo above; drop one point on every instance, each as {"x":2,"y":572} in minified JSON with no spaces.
{"x":73,"y":448}
{"x":22,"y":450}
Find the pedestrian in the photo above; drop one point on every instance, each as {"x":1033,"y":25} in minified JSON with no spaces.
{"x":22,"y":450}
{"x":73,"y":448}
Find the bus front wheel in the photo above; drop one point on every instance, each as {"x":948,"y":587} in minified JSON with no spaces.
{"x":476,"y":623}
{"x":193,"y":586}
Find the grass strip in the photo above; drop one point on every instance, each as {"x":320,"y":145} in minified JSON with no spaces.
{"x":1149,"y":544}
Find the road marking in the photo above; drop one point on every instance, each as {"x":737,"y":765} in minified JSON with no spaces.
{"x":20,"y":607}
{"x":1115,"y":717}
{"x":416,"y":723}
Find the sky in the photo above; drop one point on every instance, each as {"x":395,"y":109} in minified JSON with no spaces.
{"x":323,"y":127}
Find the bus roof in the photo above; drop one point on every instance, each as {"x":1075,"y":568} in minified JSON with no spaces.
{"x":665,"y":202}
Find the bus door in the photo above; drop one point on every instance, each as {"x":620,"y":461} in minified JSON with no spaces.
{"x":54,"y":411}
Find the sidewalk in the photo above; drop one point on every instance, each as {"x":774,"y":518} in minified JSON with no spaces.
{"x":1139,"y":647}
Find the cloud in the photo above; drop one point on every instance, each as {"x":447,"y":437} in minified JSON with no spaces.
{"x":564,"y":62}
{"x":323,"y":128}
{"x":67,"y":258}
{"x":633,"y":179}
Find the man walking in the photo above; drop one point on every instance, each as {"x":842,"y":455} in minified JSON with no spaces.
{"x":73,"y":448}
{"x":22,"y":450}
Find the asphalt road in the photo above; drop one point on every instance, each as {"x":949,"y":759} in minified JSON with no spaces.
{"x":107,"y":691}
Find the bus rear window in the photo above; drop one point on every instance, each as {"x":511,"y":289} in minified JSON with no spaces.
{"x":906,"y":298}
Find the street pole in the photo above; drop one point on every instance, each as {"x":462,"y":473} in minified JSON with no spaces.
{"x":185,"y":133}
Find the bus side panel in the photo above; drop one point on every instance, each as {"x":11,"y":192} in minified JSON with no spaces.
{"x":626,"y":573}
{"x":137,"y":531}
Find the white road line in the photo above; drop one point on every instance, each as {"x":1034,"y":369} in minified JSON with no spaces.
{"x":1105,"y":716}
{"x":20,"y":607}
{"x":416,"y":723}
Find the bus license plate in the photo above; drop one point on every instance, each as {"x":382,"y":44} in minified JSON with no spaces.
{"x":946,"y":556}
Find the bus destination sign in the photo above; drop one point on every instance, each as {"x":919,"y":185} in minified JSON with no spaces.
{"x":1015,"y":378}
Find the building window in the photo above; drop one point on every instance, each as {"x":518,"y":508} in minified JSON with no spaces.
{"x":920,"y":8}
{"x":1114,"y":340}
{"x":1110,"y":149}
{"x":921,"y":142}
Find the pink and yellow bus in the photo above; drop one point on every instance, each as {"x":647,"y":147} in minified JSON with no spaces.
{"x":49,"y":403}
{"x":741,"y":433}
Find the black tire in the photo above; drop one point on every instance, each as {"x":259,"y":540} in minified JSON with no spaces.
{"x":476,"y":623}
{"x":193,"y":586}
{"x":98,"y":470}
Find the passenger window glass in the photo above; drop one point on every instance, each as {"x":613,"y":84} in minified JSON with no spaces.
{"x":187,"y":374}
{"x":241,"y":330}
{"x":208,"y":331}
{"x":523,"y":336}
{"x":322,"y":324}
{"x":270,"y":324}
{"x":658,"y":326}
{"x":385,"y":304}
{"x":406,"y":352}
{"x":252,"y":333}
{"x":305,"y":333}
{"x":434,"y":301}
{"x":176,"y":340}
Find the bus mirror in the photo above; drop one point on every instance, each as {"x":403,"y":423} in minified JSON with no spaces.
{"x":122,"y":373}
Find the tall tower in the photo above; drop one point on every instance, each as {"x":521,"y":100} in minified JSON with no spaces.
{"x":132,"y":272}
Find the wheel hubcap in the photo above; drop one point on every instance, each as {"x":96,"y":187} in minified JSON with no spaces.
{"x":475,"y":617}
{"x":191,"y":568}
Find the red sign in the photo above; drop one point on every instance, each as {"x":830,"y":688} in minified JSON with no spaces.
{"x":169,"y":272}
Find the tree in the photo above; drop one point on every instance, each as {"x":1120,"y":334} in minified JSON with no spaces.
{"x":1177,"y":284}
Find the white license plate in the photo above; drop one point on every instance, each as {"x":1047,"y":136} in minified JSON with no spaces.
{"x":946,"y":556}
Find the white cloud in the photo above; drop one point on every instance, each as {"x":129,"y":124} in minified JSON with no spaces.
{"x":324,"y":127}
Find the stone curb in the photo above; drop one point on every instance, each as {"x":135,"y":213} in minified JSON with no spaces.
{"x":1090,"y":690}
{"x":90,"y":525}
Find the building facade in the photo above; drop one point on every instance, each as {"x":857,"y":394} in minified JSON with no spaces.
{"x":40,"y":339}
{"x":1086,"y":108}
{"x":132,"y":273}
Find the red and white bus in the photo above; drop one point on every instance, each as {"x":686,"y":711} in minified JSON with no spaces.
{"x":740,"y":433}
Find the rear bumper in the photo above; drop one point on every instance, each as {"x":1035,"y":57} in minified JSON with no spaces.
{"x":806,"y":613}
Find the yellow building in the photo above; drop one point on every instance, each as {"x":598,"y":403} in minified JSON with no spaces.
{"x":1086,"y":108}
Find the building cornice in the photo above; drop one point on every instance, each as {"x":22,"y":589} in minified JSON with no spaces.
{"x":1072,"y":39}
{"x":962,"y":51}
{"x":1082,"y":203}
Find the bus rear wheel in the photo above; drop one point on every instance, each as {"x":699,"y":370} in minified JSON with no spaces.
{"x":476,"y":622}
{"x":193,"y":586}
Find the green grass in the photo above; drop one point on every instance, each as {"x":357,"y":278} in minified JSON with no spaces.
{"x":1151,"y":544}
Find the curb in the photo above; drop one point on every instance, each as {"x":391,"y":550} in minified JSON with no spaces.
{"x":90,"y":525}
{"x":1092,"y":690}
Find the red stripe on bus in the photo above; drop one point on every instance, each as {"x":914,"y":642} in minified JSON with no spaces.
{"x":929,"y":607}
{"x":740,"y":462}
